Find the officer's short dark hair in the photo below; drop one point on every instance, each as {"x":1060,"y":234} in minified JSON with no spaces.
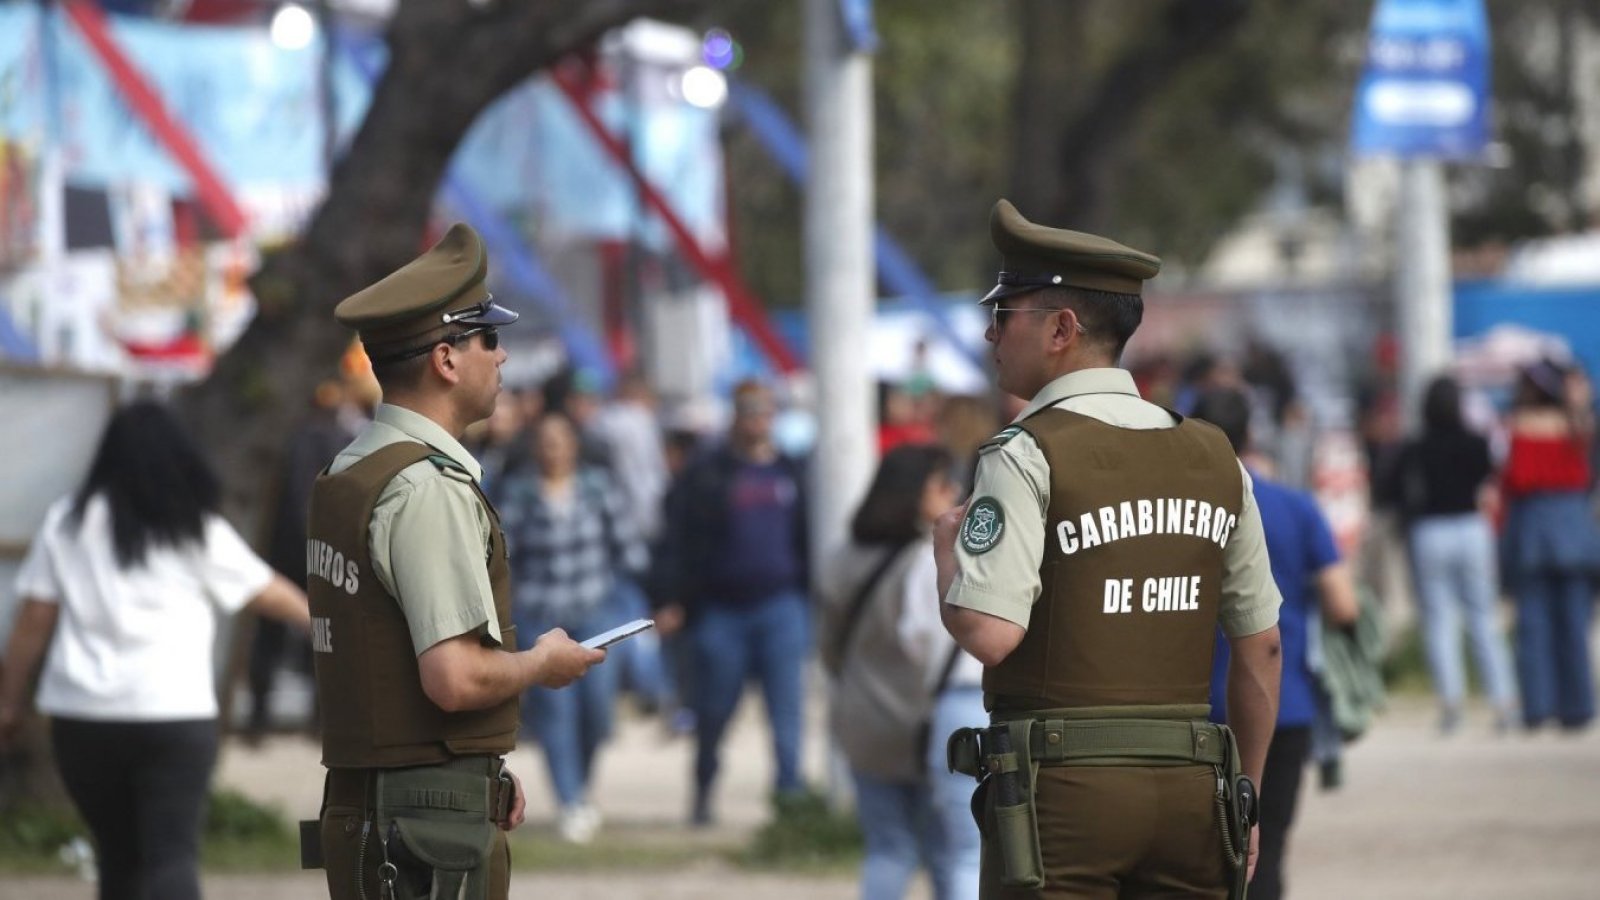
{"x":401,"y":374}
{"x":1229,"y":410}
{"x":1108,"y":318}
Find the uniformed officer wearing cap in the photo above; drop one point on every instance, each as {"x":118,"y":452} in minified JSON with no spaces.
{"x":1105,"y":540}
{"x":417,"y":667}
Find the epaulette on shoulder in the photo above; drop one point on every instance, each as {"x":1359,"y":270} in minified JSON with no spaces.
{"x":1000,"y":440}
{"x":446,"y":464}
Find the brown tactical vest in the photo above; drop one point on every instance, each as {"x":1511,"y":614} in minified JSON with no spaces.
{"x":374,"y":711}
{"x":1131,"y":570}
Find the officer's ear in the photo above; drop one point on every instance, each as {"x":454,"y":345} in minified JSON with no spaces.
{"x":441,"y":359}
{"x":1065,"y":328}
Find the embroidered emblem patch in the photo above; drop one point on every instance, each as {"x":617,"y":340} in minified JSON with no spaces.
{"x":983,"y":526}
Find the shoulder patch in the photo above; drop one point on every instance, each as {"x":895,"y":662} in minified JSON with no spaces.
{"x":999,"y":440}
{"x":983,"y":526}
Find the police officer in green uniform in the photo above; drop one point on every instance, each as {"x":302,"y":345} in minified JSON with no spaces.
{"x":1105,"y":541}
{"x":417,"y":667}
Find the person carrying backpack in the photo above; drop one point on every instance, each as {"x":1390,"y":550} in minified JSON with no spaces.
{"x":896,"y":674}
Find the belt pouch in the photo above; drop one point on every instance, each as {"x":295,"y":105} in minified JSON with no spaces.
{"x":311,"y":843}
{"x":1015,"y":818}
{"x":962,"y":753}
{"x":438,"y":832}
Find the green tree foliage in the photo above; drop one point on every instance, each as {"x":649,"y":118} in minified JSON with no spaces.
{"x":940,"y":123}
{"x":1532,"y":188}
{"x":1158,"y":122}
{"x":1173,"y":119}
{"x":764,"y":207}
{"x":943,"y":127}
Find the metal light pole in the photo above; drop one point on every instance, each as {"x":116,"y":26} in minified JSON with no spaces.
{"x":1422,"y":281}
{"x":839,"y":279}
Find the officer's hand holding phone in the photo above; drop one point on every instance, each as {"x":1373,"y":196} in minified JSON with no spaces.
{"x":562,"y":659}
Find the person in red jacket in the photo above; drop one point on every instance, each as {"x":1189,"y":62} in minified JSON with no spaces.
{"x":1550,"y":544}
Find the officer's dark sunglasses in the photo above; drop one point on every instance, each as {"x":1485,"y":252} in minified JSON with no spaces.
{"x":491,"y":342}
{"x":491,"y":337}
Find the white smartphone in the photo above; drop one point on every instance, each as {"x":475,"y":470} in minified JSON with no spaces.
{"x":619,"y":633}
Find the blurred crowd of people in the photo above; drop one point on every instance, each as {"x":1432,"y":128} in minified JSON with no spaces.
{"x":614,"y":509}
{"x":1494,"y":506}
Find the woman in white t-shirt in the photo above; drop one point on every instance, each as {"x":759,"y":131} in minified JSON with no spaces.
{"x":120,"y":596}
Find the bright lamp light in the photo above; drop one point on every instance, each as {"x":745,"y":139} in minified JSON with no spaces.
{"x":293,"y":27}
{"x":704,"y":87}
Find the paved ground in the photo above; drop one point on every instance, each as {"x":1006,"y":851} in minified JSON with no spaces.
{"x":1470,"y":817}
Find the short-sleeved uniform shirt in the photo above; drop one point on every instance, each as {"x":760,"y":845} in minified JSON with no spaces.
{"x":1301,"y":545}
{"x":429,"y":534}
{"x":1003,"y":580}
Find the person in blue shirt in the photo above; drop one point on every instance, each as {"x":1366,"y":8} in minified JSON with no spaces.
{"x":1316,"y":589}
{"x":734,"y":572}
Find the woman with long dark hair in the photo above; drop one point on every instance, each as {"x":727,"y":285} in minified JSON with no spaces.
{"x":573,"y":546}
{"x":901,"y":684}
{"x":1550,"y":545}
{"x":120,"y":592}
{"x":1443,"y":475}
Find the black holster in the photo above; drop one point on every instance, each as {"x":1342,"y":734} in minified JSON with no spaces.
{"x":1236,"y":816}
{"x":1004,"y":803}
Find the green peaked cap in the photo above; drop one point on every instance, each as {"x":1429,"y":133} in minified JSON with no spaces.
{"x":421,"y":299}
{"x":1035,"y":256}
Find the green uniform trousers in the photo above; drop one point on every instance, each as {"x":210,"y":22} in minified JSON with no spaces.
{"x":1123,"y":832}
{"x":353,"y":847}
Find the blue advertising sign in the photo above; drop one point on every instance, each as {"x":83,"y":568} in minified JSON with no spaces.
{"x":1425,"y":89}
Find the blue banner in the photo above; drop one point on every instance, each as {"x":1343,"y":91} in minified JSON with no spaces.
{"x":530,"y":154}
{"x":1425,"y":89}
{"x":530,"y":151}
{"x":858,"y":27}
{"x":254,"y":110}
{"x":252,"y":107}
{"x":22,"y":84}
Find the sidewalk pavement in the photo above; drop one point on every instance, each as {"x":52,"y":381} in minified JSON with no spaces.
{"x":644,"y":777}
{"x":1473,"y":816}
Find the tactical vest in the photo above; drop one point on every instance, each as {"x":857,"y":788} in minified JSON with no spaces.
{"x":1131,"y":570}
{"x":374,"y":711}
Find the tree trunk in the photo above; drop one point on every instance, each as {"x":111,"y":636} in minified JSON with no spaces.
{"x":1053,"y":40}
{"x":1069,"y":173}
{"x":449,"y":59}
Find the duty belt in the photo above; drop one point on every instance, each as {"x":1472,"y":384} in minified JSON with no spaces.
{"x":473,"y":784}
{"x":1006,"y":757}
{"x":1054,"y":742}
